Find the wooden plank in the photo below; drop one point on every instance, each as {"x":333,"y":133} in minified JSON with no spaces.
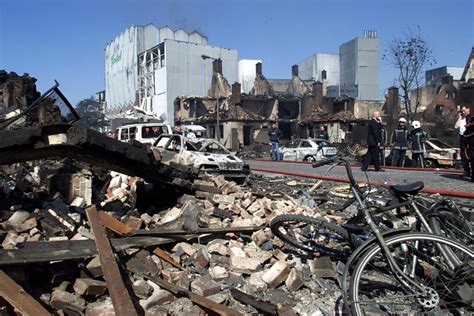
{"x":19,"y":298}
{"x":120,"y":228}
{"x":261,"y":306}
{"x":202,"y":231}
{"x":114,"y":224}
{"x":46,"y":251}
{"x":195,"y":298}
{"x":118,"y":292}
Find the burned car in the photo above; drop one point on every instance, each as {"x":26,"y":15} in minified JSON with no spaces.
{"x":206,"y":155}
{"x":311,"y":149}
{"x":437,"y":154}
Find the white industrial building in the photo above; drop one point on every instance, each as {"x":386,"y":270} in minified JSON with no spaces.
{"x":359,"y":62}
{"x":353,"y":72}
{"x":148,"y":67}
{"x":247,"y":74}
{"x":312,"y":67}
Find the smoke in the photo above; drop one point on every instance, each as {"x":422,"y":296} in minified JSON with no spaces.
{"x":182,"y":14}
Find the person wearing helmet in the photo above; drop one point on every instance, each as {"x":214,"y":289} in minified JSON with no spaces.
{"x":399,"y":143}
{"x":417,"y":137}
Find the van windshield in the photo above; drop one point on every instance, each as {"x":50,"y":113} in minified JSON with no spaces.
{"x":151,"y":131}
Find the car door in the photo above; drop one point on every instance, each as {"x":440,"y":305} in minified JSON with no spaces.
{"x":289,"y":151}
{"x":305,"y":149}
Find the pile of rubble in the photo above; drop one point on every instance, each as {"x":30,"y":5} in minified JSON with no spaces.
{"x":321,"y":116}
{"x":210,"y":252}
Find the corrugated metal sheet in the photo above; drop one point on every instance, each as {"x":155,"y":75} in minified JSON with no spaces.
{"x":189,"y":74}
{"x":148,"y":37}
{"x":166,"y":33}
{"x":311,"y":68}
{"x":121,"y":69}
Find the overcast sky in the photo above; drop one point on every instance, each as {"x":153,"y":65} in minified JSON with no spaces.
{"x":65,"y":39}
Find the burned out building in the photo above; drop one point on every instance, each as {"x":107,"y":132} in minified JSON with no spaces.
{"x":298,"y":106}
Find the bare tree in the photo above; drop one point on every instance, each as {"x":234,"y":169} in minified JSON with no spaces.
{"x":410,"y":55}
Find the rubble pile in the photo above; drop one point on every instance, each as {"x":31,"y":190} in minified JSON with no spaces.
{"x":214,"y":244}
{"x":319,"y":115}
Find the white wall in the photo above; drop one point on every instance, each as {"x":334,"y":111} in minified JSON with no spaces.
{"x":247,"y":74}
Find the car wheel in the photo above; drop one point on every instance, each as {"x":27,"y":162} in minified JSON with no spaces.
{"x":429,"y":163}
{"x":309,"y":158}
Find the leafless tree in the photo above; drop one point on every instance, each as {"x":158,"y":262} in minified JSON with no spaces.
{"x":410,"y":55}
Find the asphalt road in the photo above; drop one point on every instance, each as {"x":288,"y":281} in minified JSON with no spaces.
{"x":442,"y":180}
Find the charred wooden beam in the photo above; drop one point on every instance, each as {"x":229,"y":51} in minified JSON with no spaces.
{"x":184,"y":234}
{"x":19,"y":298}
{"x":261,"y":306}
{"x":89,"y":146}
{"x":120,"y":228}
{"x":118,"y":292}
{"x":46,"y":251}
{"x":195,"y":298}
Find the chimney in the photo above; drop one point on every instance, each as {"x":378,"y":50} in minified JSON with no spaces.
{"x":217,"y":66}
{"x":294,"y":70}
{"x":447,"y":80}
{"x":236,"y":93}
{"x":392,"y":103}
{"x":258,"y":69}
{"x":318,"y":90}
{"x":324,"y":75}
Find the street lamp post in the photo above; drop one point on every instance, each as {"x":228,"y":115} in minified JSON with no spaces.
{"x":217,"y":128}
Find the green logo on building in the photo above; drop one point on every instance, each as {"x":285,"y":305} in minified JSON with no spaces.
{"x":116,"y":56}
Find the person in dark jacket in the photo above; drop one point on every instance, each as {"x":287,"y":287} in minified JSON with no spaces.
{"x":399,"y":143}
{"x":417,"y":137}
{"x":275,"y":134}
{"x":374,"y":141}
{"x":468,"y":138}
{"x":463,"y":118}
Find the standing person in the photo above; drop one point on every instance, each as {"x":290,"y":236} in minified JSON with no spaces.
{"x":374,"y":141}
{"x":463,"y":117}
{"x":383,"y":136}
{"x":417,"y":137}
{"x":275,"y":134}
{"x":323,"y":133}
{"x":468,"y":138}
{"x":399,"y":143}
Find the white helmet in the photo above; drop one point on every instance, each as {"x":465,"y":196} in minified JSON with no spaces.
{"x":402,"y":120}
{"x":416,"y":124}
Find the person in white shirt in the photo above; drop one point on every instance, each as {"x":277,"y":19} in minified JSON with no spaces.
{"x":460,"y":126}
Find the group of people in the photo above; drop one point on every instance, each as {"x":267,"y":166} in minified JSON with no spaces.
{"x":402,"y":137}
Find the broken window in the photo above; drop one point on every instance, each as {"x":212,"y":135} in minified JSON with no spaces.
{"x":438,"y":111}
{"x":124,"y":134}
{"x":306,"y":144}
{"x":133,"y":132}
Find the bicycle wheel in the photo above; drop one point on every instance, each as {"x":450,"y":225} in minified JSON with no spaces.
{"x":375,"y":288}
{"x":311,"y":234}
{"x":445,"y":222}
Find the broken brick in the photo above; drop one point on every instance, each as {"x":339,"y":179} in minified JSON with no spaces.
{"x":277,"y":274}
{"x":294,"y":281}
{"x":205,"y":286}
{"x":89,"y":287}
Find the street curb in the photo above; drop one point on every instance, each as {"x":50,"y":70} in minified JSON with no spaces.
{"x":448,"y":170}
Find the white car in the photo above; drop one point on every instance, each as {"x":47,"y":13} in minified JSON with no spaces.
{"x":311,"y":149}
{"x":205,"y":154}
{"x":145,"y":133}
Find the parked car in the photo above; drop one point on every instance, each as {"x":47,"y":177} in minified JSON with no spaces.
{"x":198,"y":130}
{"x":311,"y":149}
{"x":205,"y":154}
{"x":437,"y":154}
{"x":146,"y":133}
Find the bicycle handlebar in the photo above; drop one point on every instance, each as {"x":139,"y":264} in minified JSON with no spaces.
{"x":338,"y":160}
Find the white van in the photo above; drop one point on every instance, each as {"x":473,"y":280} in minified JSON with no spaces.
{"x":198,"y":130}
{"x":145,"y":133}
